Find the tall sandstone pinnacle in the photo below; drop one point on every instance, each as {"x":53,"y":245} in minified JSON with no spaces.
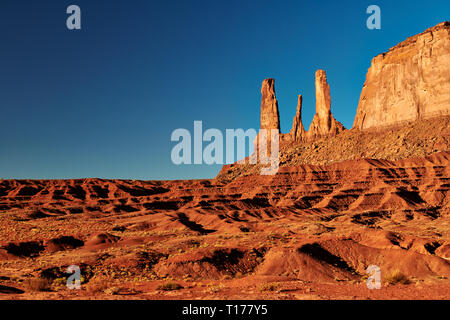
{"x":323,"y":123}
{"x":270,"y":117}
{"x":411,"y":81}
{"x":298,"y":132}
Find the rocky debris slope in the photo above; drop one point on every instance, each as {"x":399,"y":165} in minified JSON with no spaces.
{"x":410,"y":82}
{"x":416,"y":139}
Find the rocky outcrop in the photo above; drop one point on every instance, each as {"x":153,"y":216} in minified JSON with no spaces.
{"x":323,"y":123}
{"x":270,"y":117}
{"x":410,"y":82}
{"x":298,"y":131}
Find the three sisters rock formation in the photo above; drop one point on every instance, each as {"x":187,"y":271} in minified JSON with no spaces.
{"x":409,"y":82}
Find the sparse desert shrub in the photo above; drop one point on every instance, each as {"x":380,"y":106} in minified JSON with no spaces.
{"x":216,"y":287}
{"x":37,"y":284}
{"x":112,"y":291}
{"x":169,"y":286}
{"x":60,"y":282}
{"x":97,"y":284}
{"x":396,"y":277}
{"x":271,"y":286}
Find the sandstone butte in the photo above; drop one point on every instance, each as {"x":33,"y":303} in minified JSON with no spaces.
{"x":342,"y":200}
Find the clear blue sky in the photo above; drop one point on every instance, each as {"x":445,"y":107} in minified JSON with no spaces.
{"x":103,"y":101}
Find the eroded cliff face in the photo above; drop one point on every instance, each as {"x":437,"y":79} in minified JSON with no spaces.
{"x":410,"y":82}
